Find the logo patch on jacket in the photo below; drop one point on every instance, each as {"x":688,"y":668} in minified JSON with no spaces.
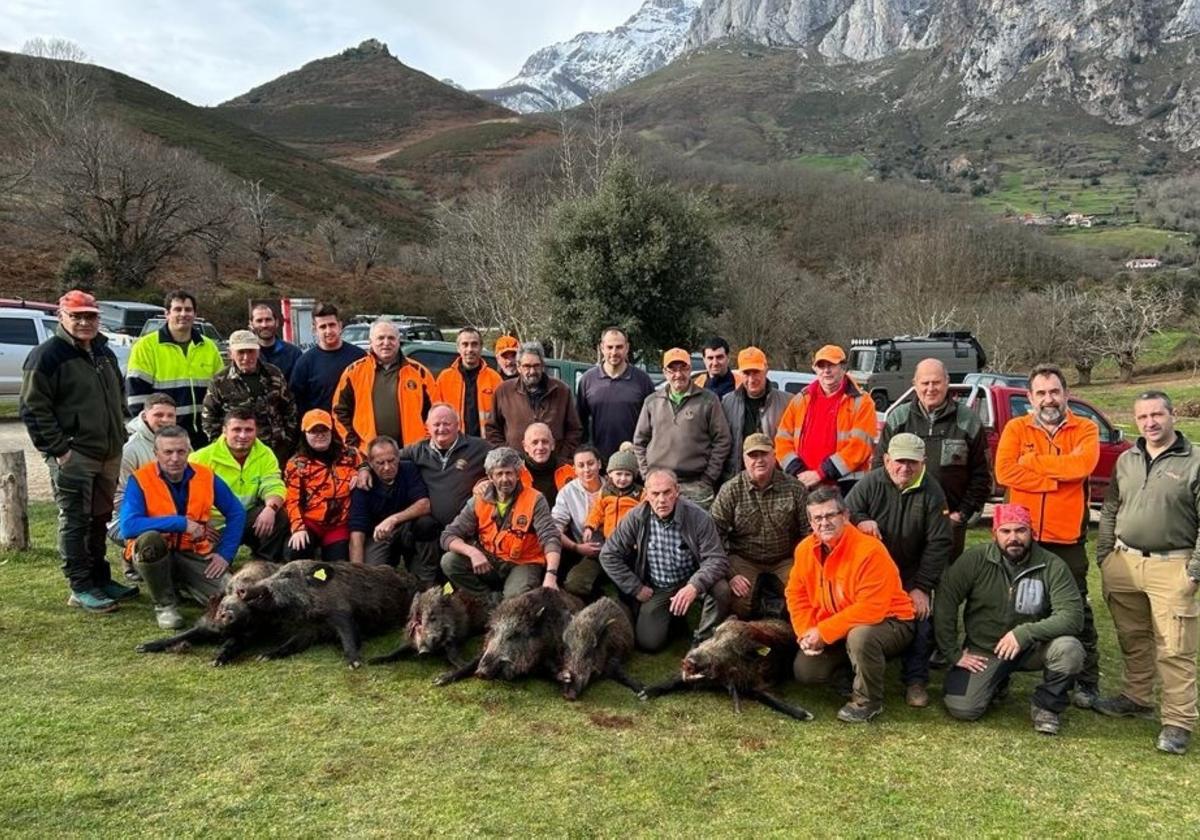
{"x":411,"y":385}
{"x":460,"y":464}
{"x":522,"y":521}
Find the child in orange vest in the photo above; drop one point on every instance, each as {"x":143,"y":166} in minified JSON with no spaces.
{"x":619,"y":494}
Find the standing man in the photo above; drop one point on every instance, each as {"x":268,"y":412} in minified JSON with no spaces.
{"x":505,"y":538}
{"x":610,"y":395}
{"x":250,"y":470}
{"x":717,"y":377}
{"x":1045,"y":460}
{"x":450,"y":464}
{"x":1149,"y":555}
{"x":682,"y":429}
{"x":665,"y":556}
{"x":902,"y":505}
{"x":250,"y":383}
{"x":847,"y":605}
{"x":158,"y":413}
{"x":177,"y":360}
{"x":469,"y":384}
{"x":273,"y":349}
{"x":165,"y":519}
{"x":760,"y":514}
{"x":73,"y":406}
{"x":316,"y":375}
{"x":506,"y":356}
{"x":386,"y":518}
{"x":535,"y":397}
{"x":956,"y":451}
{"x":826,"y":435}
{"x":1021,"y":611}
{"x":755,"y":406}
{"x":383,"y":394}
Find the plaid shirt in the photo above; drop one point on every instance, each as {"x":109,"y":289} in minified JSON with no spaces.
{"x":669,"y":560}
{"x":762,"y":526}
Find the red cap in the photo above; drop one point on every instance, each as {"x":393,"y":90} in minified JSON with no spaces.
{"x":78,"y":301}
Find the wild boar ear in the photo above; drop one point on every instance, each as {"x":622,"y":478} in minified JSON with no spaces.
{"x":321,"y":575}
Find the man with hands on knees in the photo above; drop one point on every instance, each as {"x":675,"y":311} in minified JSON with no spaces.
{"x":1021,"y":612}
{"x":165,"y":516}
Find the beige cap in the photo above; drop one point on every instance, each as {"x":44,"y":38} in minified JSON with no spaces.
{"x":906,"y":447}
{"x":758,"y":442}
{"x":243,"y":340}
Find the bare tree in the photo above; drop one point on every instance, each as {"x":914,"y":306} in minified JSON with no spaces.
{"x":368,"y":245}
{"x":1130,"y":315}
{"x":214,"y":214}
{"x":263,"y":224}
{"x":331,"y":232}
{"x":586,"y":150}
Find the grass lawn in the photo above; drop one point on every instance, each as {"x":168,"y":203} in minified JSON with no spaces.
{"x":100,"y":741}
{"x":1116,"y":401}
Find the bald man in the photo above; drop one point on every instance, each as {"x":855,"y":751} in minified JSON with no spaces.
{"x":955,"y":445}
{"x":383,"y":393}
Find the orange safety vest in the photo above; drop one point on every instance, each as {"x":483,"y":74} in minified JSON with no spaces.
{"x":738,"y":379}
{"x":516,"y":541}
{"x":159,"y":502}
{"x":414,"y":384}
{"x":453,"y":389}
{"x":563,"y":474}
{"x":856,"y":429}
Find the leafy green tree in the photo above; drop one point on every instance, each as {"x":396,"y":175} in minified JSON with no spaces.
{"x":634,"y":254}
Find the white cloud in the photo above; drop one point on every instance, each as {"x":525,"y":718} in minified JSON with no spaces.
{"x":210,"y":51}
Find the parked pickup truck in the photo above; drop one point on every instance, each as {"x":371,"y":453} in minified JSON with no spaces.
{"x":997,"y":404}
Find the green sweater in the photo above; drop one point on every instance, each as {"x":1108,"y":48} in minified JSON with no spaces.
{"x":1039,"y":604}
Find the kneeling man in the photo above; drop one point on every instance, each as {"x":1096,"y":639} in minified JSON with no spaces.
{"x":1022,"y":611}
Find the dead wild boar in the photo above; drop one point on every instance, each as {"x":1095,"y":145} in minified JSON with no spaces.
{"x":524,"y":634}
{"x":440,"y":623}
{"x":332,"y":599}
{"x":596,"y":643}
{"x":744,"y":658}
{"x":227,"y":620}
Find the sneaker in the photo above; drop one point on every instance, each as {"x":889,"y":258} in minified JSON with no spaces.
{"x":117,"y":592}
{"x":1044,"y":720}
{"x":859,"y":711}
{"x":168,"y":618}
{"x":93,"y":600}
{"x":131,"y":574}
{"x":1122,"y":706}
{"x":1173,"y":739}
{"x":1085,"y":696}
{"x":916,"y":696}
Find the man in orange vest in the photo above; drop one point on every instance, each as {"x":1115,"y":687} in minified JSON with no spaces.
{"x":827,"y":433}
{"x":383,"y":393}
{"x":847,"y":605}
{"x":469,"y":384}
{"x":165,"y":522}
{"x":505,"y":537}
{"x":1044,"y":459}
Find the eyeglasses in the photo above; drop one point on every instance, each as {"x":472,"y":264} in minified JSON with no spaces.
{"x":826,"y":517}
{"x":83,"y":317}
{"x":530,"y":367}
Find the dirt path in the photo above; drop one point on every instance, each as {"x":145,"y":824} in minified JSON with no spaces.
{"x":13,"y":436}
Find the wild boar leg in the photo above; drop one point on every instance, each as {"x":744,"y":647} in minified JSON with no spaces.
{"x":347,"y":633}
{"x":402,"y":651}
{"x":674,"y":684}
{"x":617,"y":672}
{"x":772,"y":702}
{"x":195,"y":635}
{"x":460,"y":673}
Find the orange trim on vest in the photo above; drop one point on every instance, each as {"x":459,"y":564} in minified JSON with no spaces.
{"x":413,"y":383}
{"x":563,"y":474}
{"x":159,"y":502}
{"x":516,"y":543}
{"x":739,"y":379}
{"x":453,"y":389}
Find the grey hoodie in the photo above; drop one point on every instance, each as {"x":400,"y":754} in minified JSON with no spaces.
{"x":138,"y":451}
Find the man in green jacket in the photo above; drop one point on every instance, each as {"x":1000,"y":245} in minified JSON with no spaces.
{"x":1149,"y":555}
{"x":250,"y":469}
{"x":73,"y":405}
{"x":1021,"y":611}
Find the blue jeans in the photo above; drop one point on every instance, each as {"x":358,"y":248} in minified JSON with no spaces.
{"x":914,"y":662}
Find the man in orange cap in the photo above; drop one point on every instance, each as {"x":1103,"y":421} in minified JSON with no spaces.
{"x":682,"y":429}
{"x":827,"y":433}
{"x":73,"y":404}
{"x":754,"y":406}
{"x":506,"y":356}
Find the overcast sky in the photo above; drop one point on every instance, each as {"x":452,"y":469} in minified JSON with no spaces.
{"x":208,"y":51}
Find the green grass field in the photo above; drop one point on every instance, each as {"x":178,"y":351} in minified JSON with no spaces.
{"x":96,"y":740}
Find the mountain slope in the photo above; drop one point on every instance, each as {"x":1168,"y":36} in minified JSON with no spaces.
{"x":565,"y":74}
{"x":359,"y":99}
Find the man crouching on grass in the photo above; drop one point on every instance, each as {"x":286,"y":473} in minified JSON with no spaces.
{"x":1022,"y":610}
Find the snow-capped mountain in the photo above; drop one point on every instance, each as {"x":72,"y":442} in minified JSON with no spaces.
{"x":565,"y":74}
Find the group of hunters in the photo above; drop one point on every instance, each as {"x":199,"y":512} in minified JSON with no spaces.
{"x":717,"y":492}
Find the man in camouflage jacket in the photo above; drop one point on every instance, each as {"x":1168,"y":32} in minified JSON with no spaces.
{"x":250,"y":383}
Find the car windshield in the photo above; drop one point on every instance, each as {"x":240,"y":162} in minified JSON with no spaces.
{"x":356,"y":332}
{"x":862,"y":359}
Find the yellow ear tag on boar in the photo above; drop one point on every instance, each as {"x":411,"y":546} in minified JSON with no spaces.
{"x":763,"y":651}
{"x":319,"y":574}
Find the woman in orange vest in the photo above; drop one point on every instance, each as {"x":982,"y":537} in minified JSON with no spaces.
{"x":319,"y":478}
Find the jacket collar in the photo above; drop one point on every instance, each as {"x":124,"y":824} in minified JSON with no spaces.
{"x":1181,"y":446}
{"x":164,"y":335}
{"x":98,"y":343}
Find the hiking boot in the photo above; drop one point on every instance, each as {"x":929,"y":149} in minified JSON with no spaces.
{"x":168,"y":617}
{"x":916,"y":696}
{"x":1173,"y":739}
{"x":1044,"y":720}
{"x":117,"y":592}
{"x":1122,"y":706}
{"x":92,"y":600}
{"x":859,"y":711}
{"x":131,"y":574}
{"x":1085,"y":696}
